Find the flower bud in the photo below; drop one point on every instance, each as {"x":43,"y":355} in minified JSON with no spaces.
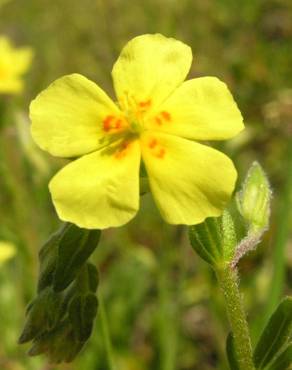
{"x":75,"y":247}
{"x":82,"y":311}
{"x":93,"y":279}
{"x":48,"y":259}
{"x":253,"y":200}
{"x":42,"y":314}
{"x":60,"y":344}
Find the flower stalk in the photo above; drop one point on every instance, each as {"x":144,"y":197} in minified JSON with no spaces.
{"x":228,"y":281}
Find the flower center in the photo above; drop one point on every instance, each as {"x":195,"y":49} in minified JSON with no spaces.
{"x":136,"y":127}
{"x":134,"y":111}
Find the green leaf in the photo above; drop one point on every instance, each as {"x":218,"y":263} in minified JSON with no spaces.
{"x":205,"y":238}
{"x":231,"y":355}
{"x":275,"y":335}
{"x":214,"y":239}
{"x":75,"y":247}
{"x":283,"y":361}
{"x":82,"y":311}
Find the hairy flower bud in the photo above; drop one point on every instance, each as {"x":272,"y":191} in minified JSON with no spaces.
{"x":254,"y":199}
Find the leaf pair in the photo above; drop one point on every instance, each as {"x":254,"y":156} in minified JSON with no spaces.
{"x":273,"y":351}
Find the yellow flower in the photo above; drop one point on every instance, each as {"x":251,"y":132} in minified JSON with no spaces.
{"x":157,"y":116}
{"x":7,"y":251}
{"x":13,"y":64}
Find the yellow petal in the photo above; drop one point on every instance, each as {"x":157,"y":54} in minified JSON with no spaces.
{"x":189,"y":181}
{"x":67,"y":117}
{"x":101,"y":189}
{"x":202,"y":109}
{"x":149,"y":68}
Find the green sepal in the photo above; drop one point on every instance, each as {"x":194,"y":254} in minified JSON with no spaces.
{"x":75,"y":247}
{"x":60,"y":344}
{"x":144,"y":185}
{"x":82,"y":311}
{"x":42,"y":313}
{"x":283,"y":361}
{"x":214,"y":239}
{"x":275,"y":335}
{"x":231,"y":355}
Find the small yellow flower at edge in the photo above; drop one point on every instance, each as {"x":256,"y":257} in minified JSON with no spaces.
{"x":7,"y":251}
{"x":156,"y":118}
{"x":14,"y":62}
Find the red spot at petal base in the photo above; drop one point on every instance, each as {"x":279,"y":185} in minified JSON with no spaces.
{"x":112,"y":123}
{"x":161,"y":153}
{"x":145,"y":104}
{"x":122,"y":150}
{"x":166,"y":116}
{"x":152,"y":143}
{"x":158,"y":121}
{"x":118,"y":123}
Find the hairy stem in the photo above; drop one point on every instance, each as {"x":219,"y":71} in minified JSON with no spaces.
{"x":228,"y":280}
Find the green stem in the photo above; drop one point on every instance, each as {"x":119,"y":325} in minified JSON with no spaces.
{"x":228,"y":280}
{"x":106,"y":335}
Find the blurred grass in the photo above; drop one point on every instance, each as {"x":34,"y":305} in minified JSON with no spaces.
{"x":165,"y":310}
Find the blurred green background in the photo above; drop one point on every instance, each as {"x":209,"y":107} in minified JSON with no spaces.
{"x":164,"y":307}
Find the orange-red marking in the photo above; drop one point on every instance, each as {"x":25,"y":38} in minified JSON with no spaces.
{"x":122,"y":150}
{"x":118,"y":123}
{"x":145,"y":104}
{"x":162,"y":117}
{"x":161,"y":153}
{"x":158,"y":121}
{"x":107,"y":122}
{"x":166,"y":116}
{"x":156,"y":149}
{"x":112,"y":123}
{"x":152,"y":144}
